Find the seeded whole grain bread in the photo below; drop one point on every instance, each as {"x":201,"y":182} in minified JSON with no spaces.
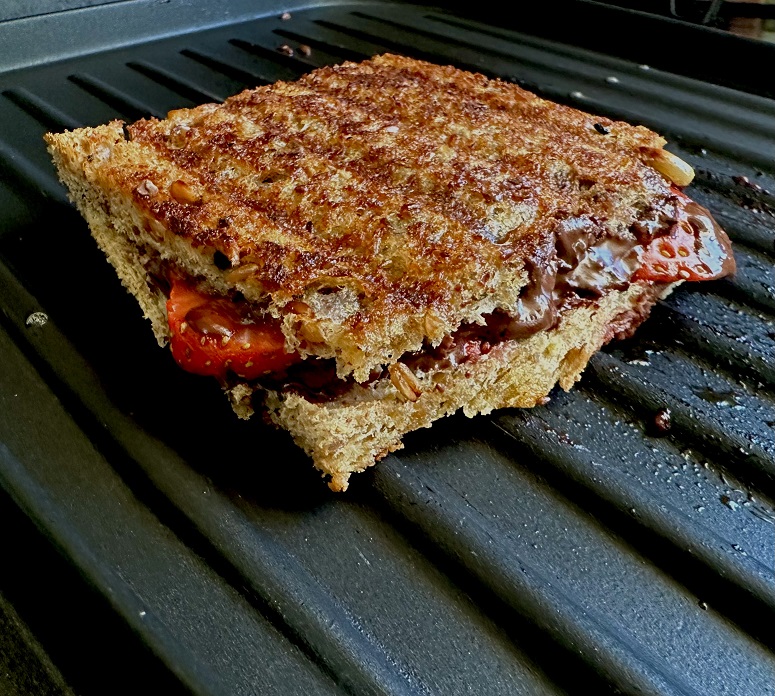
{"x":373,"y":209}
{"x":371,"y":206}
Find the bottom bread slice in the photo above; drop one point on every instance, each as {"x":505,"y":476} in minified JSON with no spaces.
{"x":351,"y":432}
{"x":347,"y":434}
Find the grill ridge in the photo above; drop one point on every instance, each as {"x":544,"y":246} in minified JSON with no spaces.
{"x":49,"y":115}
{"x":180,"y":85}
{"x":237,"y":73}
{"x":456,"y":528}
{"x":743,"y":348}
{"x":703,"y":425}
{"x":30,"y":175}
{"x":739,"y":584}
{"x":127,"y":104}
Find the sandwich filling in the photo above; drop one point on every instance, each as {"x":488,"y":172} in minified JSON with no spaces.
{"x":228,"y":337}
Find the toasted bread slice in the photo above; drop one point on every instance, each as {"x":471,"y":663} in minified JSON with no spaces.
{"x":394,"y":198}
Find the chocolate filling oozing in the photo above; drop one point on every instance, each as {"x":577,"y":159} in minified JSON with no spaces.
{"x":581,"y":266}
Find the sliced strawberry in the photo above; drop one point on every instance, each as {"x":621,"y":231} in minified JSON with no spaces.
{"x":694,"y":248}
{"x":673,"y":257}
{"x":213,"y":335}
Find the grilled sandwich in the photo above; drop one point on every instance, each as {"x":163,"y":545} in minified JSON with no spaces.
{"x":378,"y":245}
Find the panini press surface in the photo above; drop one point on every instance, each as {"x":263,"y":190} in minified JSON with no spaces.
{"x":567,"y":547}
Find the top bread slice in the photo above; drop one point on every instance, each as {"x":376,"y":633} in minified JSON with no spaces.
{"x":371,"y":207}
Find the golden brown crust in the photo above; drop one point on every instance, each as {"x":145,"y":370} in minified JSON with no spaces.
{"x":391,"y":200}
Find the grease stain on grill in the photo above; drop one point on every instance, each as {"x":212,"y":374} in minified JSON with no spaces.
{"x":723,"y":399}
{"x":729,"y":502}
{"x":742,"y":180}
{"x":662,"y":422}
{"x":636,"y":354}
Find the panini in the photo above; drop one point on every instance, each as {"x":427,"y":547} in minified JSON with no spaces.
{"x":377,"y":245}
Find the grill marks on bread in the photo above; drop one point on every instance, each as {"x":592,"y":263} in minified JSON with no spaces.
{"x":405,"y":188}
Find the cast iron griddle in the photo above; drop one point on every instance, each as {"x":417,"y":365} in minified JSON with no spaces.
{"x":545,"y":551}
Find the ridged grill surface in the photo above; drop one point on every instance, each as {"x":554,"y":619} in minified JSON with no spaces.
{"x":529,"y":552}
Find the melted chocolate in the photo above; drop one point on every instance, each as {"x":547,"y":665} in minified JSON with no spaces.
{"x":574,"y":236}
{"x":586,"y":265}
{"x":315,"y":379}
{"x":607,"y":265}
{"x":535,"y":309}
{"x":581,"y":267}
{"x":656,"y":220}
